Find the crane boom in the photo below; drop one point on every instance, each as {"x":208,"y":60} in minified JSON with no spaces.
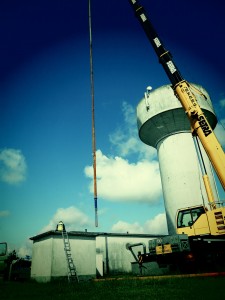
{"x":199,"y":124}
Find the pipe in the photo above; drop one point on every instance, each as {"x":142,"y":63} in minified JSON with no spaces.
{"x":130,"y":246}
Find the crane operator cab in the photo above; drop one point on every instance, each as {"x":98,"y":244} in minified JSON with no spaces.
{"x":198,"y":220}
{"x":192,"y":221}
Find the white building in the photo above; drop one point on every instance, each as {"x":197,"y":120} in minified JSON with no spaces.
{"x":94,"y":254}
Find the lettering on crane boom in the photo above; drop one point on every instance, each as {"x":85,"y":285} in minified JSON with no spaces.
{"x":201,"y":119}
{"x":143,"y":17}
{"x":190,"y":96}
{"x":157,"y":42}
{"x":171,"y":67}
{"x":204,"y":126}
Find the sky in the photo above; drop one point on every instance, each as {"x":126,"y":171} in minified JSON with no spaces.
{"x":45,"y":110}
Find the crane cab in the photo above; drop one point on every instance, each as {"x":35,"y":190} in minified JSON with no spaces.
{"x":197,"y":221}
{"x":192,"y":221}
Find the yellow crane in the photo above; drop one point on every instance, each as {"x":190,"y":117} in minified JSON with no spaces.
{"x":200,"y":232}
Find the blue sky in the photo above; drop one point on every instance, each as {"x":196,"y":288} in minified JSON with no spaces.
{"x":45,"y":97}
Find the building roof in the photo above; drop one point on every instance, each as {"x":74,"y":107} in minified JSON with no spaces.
{"x":93,"y":234}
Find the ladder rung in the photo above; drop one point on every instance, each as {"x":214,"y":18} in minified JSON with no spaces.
{"x":72,"y":267}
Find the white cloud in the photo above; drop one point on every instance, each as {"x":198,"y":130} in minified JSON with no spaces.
{"x":119,"y":180}
{"x":4,"y":213}
{"x":125,"y":139}
{"x":22,"y":250}
{"x":25,"y":249}
{"x":72,"y":217}
{"x":123,"y":227}
{"x":13,"y":166}
{"x":157,"y":225}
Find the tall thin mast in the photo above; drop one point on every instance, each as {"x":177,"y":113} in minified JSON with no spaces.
{"x":93,"y":120}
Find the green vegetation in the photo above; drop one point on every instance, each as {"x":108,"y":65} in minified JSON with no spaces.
{"x":168,"y":288}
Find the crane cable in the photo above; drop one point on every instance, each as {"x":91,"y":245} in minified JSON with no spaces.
{"x":93,"y":120}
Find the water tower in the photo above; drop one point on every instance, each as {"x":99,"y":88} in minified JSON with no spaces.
{"x":162,"y":124}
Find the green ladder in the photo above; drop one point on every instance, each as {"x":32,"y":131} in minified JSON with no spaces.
{"x":72,"y":272}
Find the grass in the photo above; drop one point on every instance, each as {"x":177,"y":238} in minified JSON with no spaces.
{"x":168,"y":288}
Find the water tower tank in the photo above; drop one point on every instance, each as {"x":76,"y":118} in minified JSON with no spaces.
{"x":163,"y":124}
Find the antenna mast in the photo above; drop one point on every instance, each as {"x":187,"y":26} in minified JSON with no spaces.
{"x":93,"y":120}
